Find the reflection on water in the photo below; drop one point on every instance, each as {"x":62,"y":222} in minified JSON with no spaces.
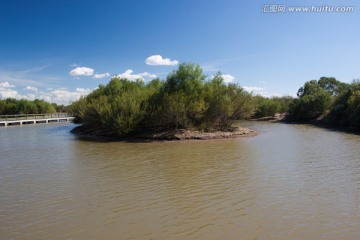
{"x":290,"y":182}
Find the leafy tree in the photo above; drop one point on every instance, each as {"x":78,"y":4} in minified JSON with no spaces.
{"x":332,"y":86}
{"x":219,"y":106}
{"x":313,"y":101}
{"x":2,"y":106}
{"x":43,"y":107}
{"x":179,"y":103}
{"x":26,"y":107}
{"x":345,"y":111}
{"x":266,"y":107}
{"x":184,"y":100}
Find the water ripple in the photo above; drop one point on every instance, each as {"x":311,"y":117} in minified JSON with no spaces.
{"x":291,"y":182}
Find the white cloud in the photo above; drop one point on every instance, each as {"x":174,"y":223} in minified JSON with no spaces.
{"x":64,"y":96}
{"x":128,"y":74}
{"x":101,"y":75}
{"x":7,"y":92}
{"x":253,"y":89}
{"x":159,"y":60}
{"x":146,"y":74}
{"x":59,"y":95}
{"x":31,"y":89}
{"x":258,"y":91}
{"x":6,"y":85}
{"x":228,"y":78}
{"x":81,"y":71}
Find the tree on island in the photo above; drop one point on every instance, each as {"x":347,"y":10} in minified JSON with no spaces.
{"x":185,"y":100}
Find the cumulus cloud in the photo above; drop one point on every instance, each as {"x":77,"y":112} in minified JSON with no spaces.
{"x":6,"y":91}
{"x":64,"y":96}
{"x":228,"y":78}
{"x":253,"y":89}
{"x":58,"y":95}
{"x":31,"y":89}
{"x":9,"y":93}
{"x":128,"y":74}
{"x":101,"y":75}
{"x":146,"y":74}
{"x":81,"y":71}
{"x":6,"y":85}
{"x":258,"y":91}
{"x":159,"y":60}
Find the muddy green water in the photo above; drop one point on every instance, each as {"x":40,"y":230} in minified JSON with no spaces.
{"x":290,"y":182}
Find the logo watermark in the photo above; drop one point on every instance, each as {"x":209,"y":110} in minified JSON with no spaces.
{"x":281,"y":8}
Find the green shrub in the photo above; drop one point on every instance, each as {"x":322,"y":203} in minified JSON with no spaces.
{"x":184,"y":100}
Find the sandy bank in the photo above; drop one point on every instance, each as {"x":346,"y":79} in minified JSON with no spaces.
{"x":171,"y":135}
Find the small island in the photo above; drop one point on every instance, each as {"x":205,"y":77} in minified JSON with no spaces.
{"x":188,"y":105}
{"x":184,"y":106}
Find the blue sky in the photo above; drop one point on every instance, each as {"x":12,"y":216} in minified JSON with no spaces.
{"x":60,"y":50}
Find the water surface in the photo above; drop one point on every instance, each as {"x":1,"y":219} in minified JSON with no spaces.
{"x":290,"y":182}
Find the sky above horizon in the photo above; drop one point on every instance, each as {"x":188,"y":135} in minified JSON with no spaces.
{"x":61,"y":50}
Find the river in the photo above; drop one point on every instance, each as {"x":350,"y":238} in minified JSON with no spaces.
{"x":289,"y":182}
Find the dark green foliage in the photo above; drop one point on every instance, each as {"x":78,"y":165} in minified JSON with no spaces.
{"x":313,"y":101}
{"x":60,"y":108}
{"x":332,"y":86}
{"x":267,"y":107}
{"x":345,"y":111}
{"x":13,"y":106}
{"x":309,"y":107}
{"x":338,"y":103}
{"x":187,"y":100}
{"x":183,"y":100}
{"x":117,"y":108}
{"x":225,"y":103}
{"x":180,"y":100}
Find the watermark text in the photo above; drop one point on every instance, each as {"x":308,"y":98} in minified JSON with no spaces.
{"x":281,"y":8}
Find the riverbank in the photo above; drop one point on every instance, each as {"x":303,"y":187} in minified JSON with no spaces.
{"x":169,"y":135}
{"x":278,"y":117}
{"x":319,"y":122}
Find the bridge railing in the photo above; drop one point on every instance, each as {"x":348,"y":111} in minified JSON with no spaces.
{"x":15,"y":117}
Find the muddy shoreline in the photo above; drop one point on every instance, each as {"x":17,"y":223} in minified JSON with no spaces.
{"x":170,"y":135}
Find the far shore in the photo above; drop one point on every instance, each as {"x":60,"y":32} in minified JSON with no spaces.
{"x":169,"y":135}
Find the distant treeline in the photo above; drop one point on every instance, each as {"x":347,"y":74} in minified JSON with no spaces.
{"x":266,"y":107}
{"x":328,"y":101}
{"x":12,"y":106}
